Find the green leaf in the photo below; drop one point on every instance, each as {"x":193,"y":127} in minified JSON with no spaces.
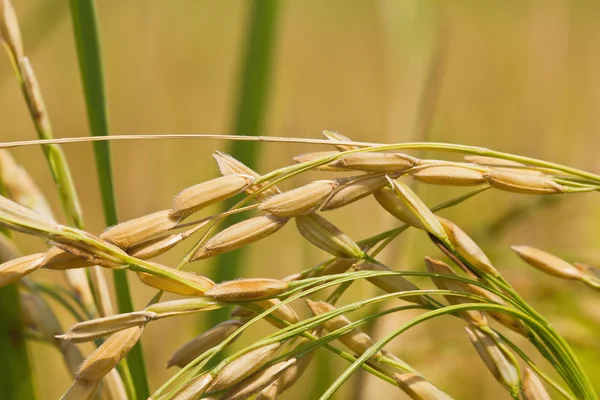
{"x":87,"y":38}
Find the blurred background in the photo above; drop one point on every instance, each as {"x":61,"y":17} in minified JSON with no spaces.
{"x":516,"y":76}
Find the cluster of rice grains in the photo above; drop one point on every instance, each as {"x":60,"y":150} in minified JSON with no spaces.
{"x":473,"y":291}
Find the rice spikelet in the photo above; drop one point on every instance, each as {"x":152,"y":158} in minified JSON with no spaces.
{"x":419,"y":388}
{"x":205,"y":341}
{"x":239,"y":235}
{"x":547,"y":262}
{"x":258,"y":381}
{"x":229,"y":165}
{"x":13,"y":270}
{"x":108,"y":355}
{"x":242,"y":367}
{"x":390,"y":283}
{"x":353,"y":189}
{"x":196,"y":197}
{"x":173,"y":286}
{"x":376,"y":162}
{"x":327,"y":236}
{"x":137,"y":230}
{"x":356,"y":340}
{"x":299,"y":201}
{"x":247,"y":289}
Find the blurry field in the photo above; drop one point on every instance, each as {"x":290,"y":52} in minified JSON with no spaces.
{"x":514,"y":76}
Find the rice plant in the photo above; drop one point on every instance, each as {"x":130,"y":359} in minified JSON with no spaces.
{"x":463,"y":284}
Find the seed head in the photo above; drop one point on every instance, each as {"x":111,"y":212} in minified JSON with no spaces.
{"x":533,"y":388}
{"x":108,"y":355}
{"x":419,"y":388}
{"x":474,"y":317}
{"x":327,"y":236}
{"x":519,"y":182}
{"x":13,"y":270}
{"x":129,"y":233}
{"x":258,"y":381}
{"x":284,"y":312}
{"x":299,"y":201}
{"x":229,"y":165}
{"x":315,"y":156}
{"x":270,"y":392}
{"x":239,"y":235}
{"x":505,"y":319}
{"x":194,"y":389}
{"x":338,"y":137}
{"x":353,"y":189}
{"x":388,"y":199}
{"x":59,"y":259}
{"x":356,"y":340}
{"x":500,"y":363}
{"x":99,"y":327}
{"x":173,"y":286}
{"x":10,"y":33}
{"x":196,"y":197}
{"x":20,"y":187}
{"x":80,"y":389}
{"x":242,"y":367}
{"x":547,"y":262}
{"x":205,"y":341}
{"x":452,"y":175}
{"x":15,"y":216}
{"x":376,"y":162}
{"x":467,"y":248}
{"x":390,"y":283}
{"x":415,"y":207}
{"x":337,"y":266}
{"x":293,"y":373}
{"x":247,"y":289}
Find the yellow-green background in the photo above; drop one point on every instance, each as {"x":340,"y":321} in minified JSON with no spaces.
{"x":516,"y":76}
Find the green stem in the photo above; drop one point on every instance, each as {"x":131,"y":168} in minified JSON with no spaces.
{"x":87,"y":40}
{"x":16,"y":378}
{"x":422,"y":318}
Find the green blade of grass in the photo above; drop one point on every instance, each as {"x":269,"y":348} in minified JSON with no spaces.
{"x":249,"y":119}
{"x":87,"y":39}
{"x":16,"y":378}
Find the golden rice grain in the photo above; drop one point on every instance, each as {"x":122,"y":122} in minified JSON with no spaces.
{"x":452,"y":175}
{"x":239,"y":235}
{"x":354,"y":189}
{"x":547,"y":262}
{"x":108,"y":355}
{"x":474,"y":317}
{"x":376,"y":162}
{"x":498,"y":361}
{"x":327,"y":236}
{"x":196,"y":197}
{"x":229,"y":165}
{"x":247,"y":289}
{"x":390,"y":283}
{"x":13,"y":270}
{"x":258,"y":381}
{"x":518,"y":182}
{"x":299,"y":201}
{"x":242,"y":367}
{"x":419,"y":388}
{"x":533,"y":388}
{"x":356,"y":340}
{"x":137,"y":230}
{"x":205,"y":341}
